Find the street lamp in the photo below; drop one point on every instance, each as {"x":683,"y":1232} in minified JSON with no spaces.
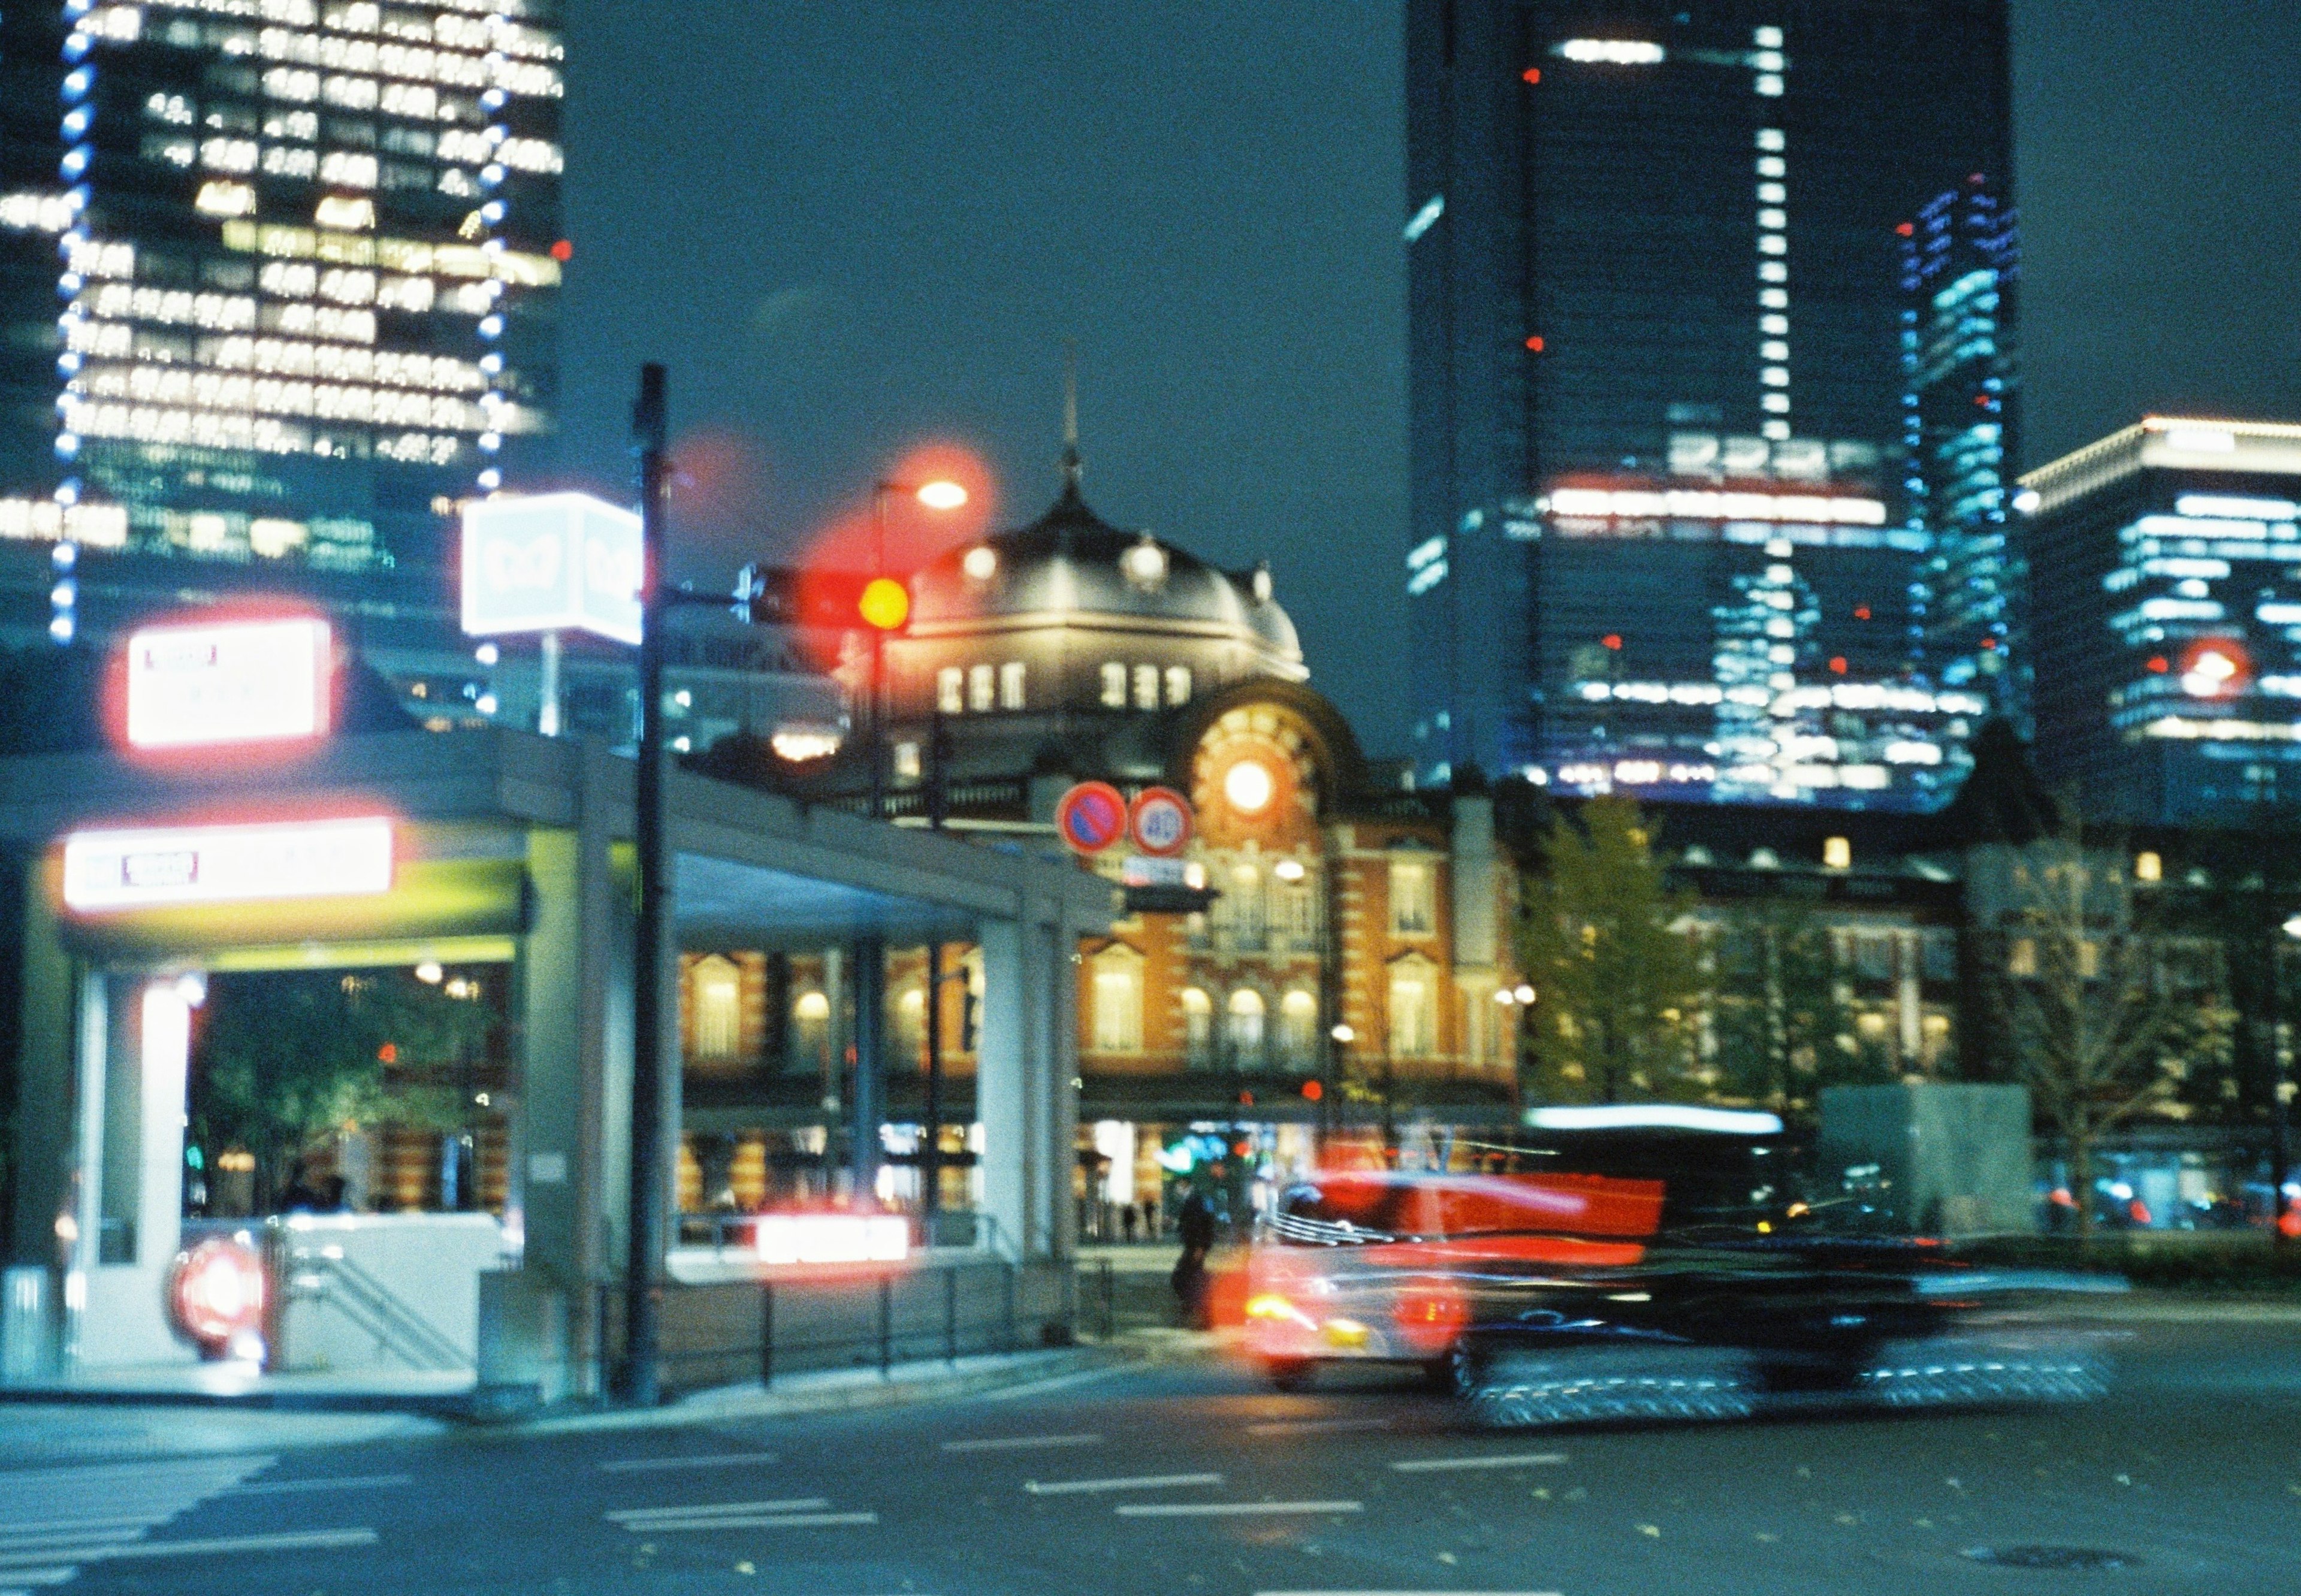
{"x":883,"y":607}
{"x":886,"y":605}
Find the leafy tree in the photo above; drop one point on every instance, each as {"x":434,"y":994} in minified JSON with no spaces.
{"x":1618,"y":978}
{"x":1784,"y":1022}
{"x":2095,"y":1028}
{"x":282,"y":1059}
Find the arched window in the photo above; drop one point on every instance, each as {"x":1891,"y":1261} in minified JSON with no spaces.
{"x":1010,"y":685}
{"x":1413,"y":1008}
{"x":1413,"y":897}
{"x":1146,"y":687}
{"x":1119,"y":1000}
{"x":1198,"y":1027}
{"x":1114,"y":685}
{"x":1298,"y":1029}
{"x":1178,"y":686}
{"x":715,"y":990}
{"x":1245,"y":1031}
{"x":1248,"y":926}
{"x":950,"y":691}
{"x":981,"y":688}
{"x":810,"y":1022}
{"x":910,"y":1026}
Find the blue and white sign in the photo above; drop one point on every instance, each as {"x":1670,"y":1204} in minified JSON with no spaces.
{"x":552,"y":561}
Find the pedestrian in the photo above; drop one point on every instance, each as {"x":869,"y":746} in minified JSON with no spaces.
{"x":1126,"y":1218}
{"x":1195,"y":1225}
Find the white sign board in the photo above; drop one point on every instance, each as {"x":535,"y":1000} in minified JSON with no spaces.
{"x":230,"y":681}
{"x":552,"y":561}
{"x":833,"y":1238}
{"x":193,"y":865}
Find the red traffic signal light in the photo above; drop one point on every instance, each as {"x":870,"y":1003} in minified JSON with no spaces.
{"x":1312,"y":1090}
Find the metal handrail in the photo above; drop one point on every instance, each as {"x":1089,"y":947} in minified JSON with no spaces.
{"x":376,"y":1309}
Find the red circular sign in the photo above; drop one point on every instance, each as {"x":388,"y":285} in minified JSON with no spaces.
{"x":1092,"y":816}
{"x":1160,"y":822}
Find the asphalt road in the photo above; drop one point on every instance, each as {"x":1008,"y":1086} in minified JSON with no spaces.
{"x":1191,"y":1480}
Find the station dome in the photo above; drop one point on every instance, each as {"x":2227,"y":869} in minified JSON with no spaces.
{"x":1070,"y":565}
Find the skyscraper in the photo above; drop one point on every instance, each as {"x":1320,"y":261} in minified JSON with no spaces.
{"x":276,"y":284}
{"x":2167,"y":620}
{"x":1672,"y":516}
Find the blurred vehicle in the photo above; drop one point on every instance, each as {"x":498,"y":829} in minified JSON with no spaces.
{"x":1628,"y":1263}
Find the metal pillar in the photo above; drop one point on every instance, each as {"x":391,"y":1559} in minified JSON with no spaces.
{"x":644,"y":1253}
{"x":866,"y":1108}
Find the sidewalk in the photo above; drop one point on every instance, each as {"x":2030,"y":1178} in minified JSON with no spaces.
{"x":52,"y":1426}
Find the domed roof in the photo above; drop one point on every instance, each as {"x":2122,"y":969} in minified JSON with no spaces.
{"x":1071,"y":562}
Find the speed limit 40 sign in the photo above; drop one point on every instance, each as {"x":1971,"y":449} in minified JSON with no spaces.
{"x":1159,"y":820}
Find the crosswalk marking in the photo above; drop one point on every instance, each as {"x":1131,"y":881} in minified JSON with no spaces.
{"x":790,"y":1504}
{"x":1144,"y":1482}
{"x":56,"y":1521}
{"x":1489,"y":1460}
{"x":1016,"y":1443}
{"x":708,"y":1461}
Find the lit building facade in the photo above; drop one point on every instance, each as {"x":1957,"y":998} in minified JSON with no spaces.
{"x":1960,"y":268}
{"x":1354,"y":967}
{"x":276,"y":284}
{"x":1664,"y":539}
{"x":2166,"y":619}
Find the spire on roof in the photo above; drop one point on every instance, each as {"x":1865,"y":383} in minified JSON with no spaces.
{"x":1073,"y":468}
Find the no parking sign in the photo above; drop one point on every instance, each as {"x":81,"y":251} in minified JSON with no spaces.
{"x":1092,"y":816}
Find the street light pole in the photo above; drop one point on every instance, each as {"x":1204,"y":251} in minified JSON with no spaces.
{"x":645,"y":1219}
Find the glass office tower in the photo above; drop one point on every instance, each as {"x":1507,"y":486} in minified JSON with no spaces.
{"x":2166,"y":626}
{"x":276,"y":285}
{"x":1670,"y":535}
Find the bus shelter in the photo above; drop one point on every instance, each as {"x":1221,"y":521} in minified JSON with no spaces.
{"x":491,"y":869}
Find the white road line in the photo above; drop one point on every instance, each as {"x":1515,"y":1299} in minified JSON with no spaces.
{"x":285,"y":1541}
{"x":1506,"y":1460}
{"x":788,"y":1504}
{"x":1015,"y":1443}
{"x":68,"y":1525}
{"x":11,"y":1545}
{"x":1309,"y":1426}
{"x":26,"y":1578}
{"x":761,"y":1521}
{"x":358,"y":1481}
{"x":1148,"y":1481}
{"x":82,"y":1550}
{"x":712,"y":1461}
{"x":1223,"y":1509}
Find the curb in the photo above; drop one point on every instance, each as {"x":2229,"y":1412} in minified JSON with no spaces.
{"x":1014,"y":1371}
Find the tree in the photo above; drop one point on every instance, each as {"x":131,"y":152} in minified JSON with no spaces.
{"x":2097,"y":1030}
{"x":1784,"y":1025}
{"x":1618,"y":978}
{"x":282,"y":1059}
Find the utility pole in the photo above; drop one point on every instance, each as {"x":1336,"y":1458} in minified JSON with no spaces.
{"x":643,"y":1253}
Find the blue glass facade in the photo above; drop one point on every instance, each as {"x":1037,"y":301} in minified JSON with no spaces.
{"x":2165,"y":620}
{"x":276,"y":280}
{"x":1960,"y":270}
{"x":1664,"y":537}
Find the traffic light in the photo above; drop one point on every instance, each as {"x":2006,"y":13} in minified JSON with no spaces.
{"x":885,"y":604}
{"x":835,"y":601}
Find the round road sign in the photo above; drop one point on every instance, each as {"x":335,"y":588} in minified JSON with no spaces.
{"x":1092,"y":816}
{"x":1160,"y":820}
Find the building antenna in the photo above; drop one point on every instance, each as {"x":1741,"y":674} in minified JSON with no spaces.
{"x":1072,"y":467}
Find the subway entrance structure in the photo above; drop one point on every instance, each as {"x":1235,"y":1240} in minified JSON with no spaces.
{"x":140,"y":885}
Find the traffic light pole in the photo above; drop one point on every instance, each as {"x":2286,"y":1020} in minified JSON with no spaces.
{"x":645,"y":1221}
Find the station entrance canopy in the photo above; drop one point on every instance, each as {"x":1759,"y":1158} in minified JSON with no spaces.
{"x":136,"y":880}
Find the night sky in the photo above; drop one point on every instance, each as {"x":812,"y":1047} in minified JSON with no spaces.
{"x":854,"y":230}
